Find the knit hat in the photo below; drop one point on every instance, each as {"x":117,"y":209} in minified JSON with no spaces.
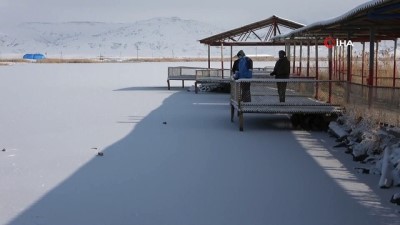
{"x":240,"y":53}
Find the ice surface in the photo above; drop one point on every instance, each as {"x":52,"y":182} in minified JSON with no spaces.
{"x":196,"y":168}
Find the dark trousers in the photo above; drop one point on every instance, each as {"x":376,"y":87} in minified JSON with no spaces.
{"x":246,"y":95}
{"x":281,"y":90}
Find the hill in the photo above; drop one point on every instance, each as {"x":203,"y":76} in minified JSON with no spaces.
{"x":156,"y":37}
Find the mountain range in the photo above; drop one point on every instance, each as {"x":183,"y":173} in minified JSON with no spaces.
{"x":156,"y":37}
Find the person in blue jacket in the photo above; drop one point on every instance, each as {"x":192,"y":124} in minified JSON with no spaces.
{"x":243,"y":69}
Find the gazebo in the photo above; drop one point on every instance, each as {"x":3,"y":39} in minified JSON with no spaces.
{"x":371,"y":22}
{"x":255,"y":34}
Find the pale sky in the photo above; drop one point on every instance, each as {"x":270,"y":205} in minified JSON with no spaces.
{"x":222,"y":13}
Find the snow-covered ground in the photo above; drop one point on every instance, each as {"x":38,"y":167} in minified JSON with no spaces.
{"x":169,"y":157}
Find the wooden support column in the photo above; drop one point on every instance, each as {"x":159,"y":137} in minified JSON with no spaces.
{"x":362,"y":63}
{"x":376,"y":64}
{"x":335,"y":63}
{"x":349,"y":70}
{"x":301,"y":57}
{"x":308,"y":58}
{"x":342,"y":49}
{"x":330,"y":68}
{"x":287,"y":49}
{"x":316,"y":59}
{"x":316,"y":67}
{"x":370,"y":80}
{"x":209,"y":57}
{"x":222,"y":59}
{"x":231,"y":60}
{"x":394,"y":63}
{"x":340,"y":62}
{"x":294,"y":58}
{"x":349,"y":61}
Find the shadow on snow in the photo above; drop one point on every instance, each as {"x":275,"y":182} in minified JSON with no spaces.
{"x":186,"y":163}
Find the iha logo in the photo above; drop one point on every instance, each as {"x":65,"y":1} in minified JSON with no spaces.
{"x":331,"y":42}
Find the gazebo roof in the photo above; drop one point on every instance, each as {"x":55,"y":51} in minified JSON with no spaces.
{"x":382,"y":17}
{"x":255,"y":34}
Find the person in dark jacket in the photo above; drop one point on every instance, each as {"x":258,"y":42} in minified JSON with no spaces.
{"x":243,"y":68}
{"x":281,"y":71}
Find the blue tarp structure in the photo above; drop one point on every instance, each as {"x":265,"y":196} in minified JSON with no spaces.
{"x":34,"y":56}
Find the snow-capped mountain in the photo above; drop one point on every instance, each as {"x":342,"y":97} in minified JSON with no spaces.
{"x":157,"y":37}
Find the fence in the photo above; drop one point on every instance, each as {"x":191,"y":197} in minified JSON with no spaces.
{"x":208,"y":75}
{"x":379,"y":103}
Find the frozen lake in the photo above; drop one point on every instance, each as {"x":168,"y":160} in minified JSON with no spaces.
{"x":170,"y":157}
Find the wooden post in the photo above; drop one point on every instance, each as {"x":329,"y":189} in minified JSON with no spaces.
{"x":222,"y":59}
{"x":349,"y":70}
{"x":362,"y":63}
{"x":287,"y":49}
{"x":340,"y":62}
{"x":330,"y":67}
{"x":376,"y":64}
{"x":301,"y":57}
{"x":316,"y":59}
{"x":342,"y":48}
{"x":209,"y":57}
{"x":394,"y":63}
{"x":349,"y":60}
{"x":231,"y":60}
{"x":335,"y":63}
{"x":308,"y":58}
{"x":370,"y":80}
{"x":294,"y":57}
{"x":316,"y":67}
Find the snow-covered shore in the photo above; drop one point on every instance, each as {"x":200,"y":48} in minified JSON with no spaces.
{"x":169,"y":157}
{"x":375,"y":146}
